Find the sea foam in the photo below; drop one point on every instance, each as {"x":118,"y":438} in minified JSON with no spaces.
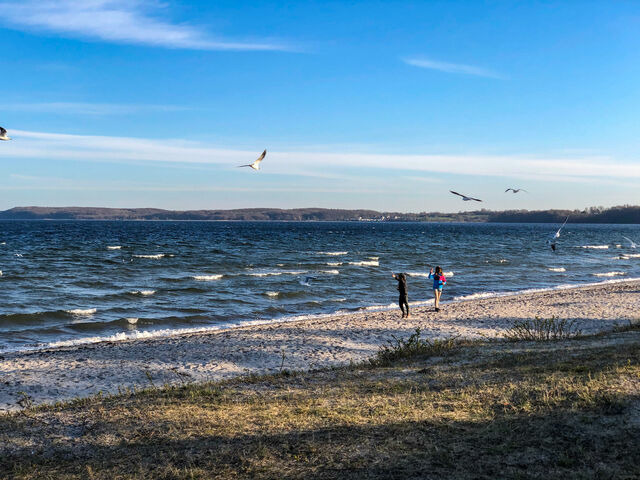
{"x":207,"y":278}
{"x":80,"y":311}
{"x":595,"y":247}
{"x":557,"y":269}
{"x":366,"y":263}
{"x":114,"y":247}
{"x":332,"y":253}
{"x":142,"y":292}
{"x":155,"y":257}
{"x":609,"y":274}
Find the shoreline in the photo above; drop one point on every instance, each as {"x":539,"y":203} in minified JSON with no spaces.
{"x":205,"y":330}
{"x":64,"y":373}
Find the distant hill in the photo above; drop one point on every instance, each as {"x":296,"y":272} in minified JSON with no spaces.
{"x":622,"y":214}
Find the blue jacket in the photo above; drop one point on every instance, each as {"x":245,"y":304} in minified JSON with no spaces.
{"x":438,"y":281}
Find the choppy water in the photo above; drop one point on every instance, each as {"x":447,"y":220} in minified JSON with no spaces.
{"x":75,"y":282}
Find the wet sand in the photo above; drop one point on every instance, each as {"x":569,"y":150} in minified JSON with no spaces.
{"x":47,"y":376}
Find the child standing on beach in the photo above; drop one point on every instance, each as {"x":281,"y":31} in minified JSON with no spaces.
{"x":438,"y":282}
{"x":402,"y":290}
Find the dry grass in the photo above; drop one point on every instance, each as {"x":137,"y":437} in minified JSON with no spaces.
{"x":498,"y":410}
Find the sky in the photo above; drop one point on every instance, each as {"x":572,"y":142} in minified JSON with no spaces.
{"x":361,"y":104}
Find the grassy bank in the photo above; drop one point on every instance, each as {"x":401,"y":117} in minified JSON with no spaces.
{"x":566,"y":409}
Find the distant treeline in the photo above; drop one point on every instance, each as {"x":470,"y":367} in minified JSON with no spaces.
{"x":622,"y":214}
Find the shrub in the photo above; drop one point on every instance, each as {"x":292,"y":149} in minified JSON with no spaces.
{"x":413,"y":346}
{"x":540,"y":329}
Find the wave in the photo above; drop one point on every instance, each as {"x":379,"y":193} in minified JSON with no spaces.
{"x":272,"y":294}
{"x":557,"y":269}
{"x":155,"y":257}
{"x":334,"y":264}
{"x":366,"y":263}
{"x":144,"y":334}
{"x":82,"y":312}
{"x":609,"y":274}
{"x":332,"y":253}
{"x":595,"y":247}
{"x":0,"y":273}
{"x":426,"y":274}
{"x":208,"y":278}
{"x":331,"y":272}
{"x":142,"y":292}
{"x":282,"y":272}
{"x":132,"y":320}
{"x":113,"y":247}
{"x":19,"y":255}
{"x":373,"y":258}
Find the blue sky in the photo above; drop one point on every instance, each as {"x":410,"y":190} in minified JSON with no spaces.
{"x":384,"y":105}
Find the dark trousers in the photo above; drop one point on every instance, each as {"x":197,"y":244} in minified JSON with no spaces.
{"x":404,"y":304}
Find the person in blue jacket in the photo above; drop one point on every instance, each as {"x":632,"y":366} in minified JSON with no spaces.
{"x":438,"y":282}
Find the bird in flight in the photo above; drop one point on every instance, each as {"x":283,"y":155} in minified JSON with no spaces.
{"x":556,"y":235}
{"x":465,"y":198}
{"x":516,"y":190}
{"x":3,"y":134}
{"x":255,"y":165}
{"x":633,"y":244}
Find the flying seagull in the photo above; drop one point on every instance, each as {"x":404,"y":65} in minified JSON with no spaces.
{"x":255,"y":165}
{"x":465,"y":198}
{"x":633,"y":244}
{"x":556,"y":235}
{"x":516,"y":190}
{"x":3,"y":134}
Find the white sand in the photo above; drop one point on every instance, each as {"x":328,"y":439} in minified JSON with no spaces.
{"x":59,"y":374}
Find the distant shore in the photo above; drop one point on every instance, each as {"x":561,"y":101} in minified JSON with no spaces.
{"x":614,"y":215}
{"x":52,"y":375}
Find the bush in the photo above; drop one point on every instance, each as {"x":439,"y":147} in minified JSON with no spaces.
{"x":411,"y":347}
{"x":540,"y":329}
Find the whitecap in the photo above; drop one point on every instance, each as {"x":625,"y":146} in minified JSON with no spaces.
{"x":113,"y":247}
{"x":373,"y":258}
{"x":283,"y":272}
{"x":557,"y":269}
{"x":609,"y":274}
{"x":332,"y":253}
{"x":272,"y":294}
{"x":448,"y":274}
{"x":142,"y":292}
{"x":18,"y":255}
{"x":331,"y":272}
{"x":207,"y":278}
{"x":0,"y":273}
{"x":595,"y":247}
{"x":80,"y":311}
{"x":366,"y":263}
{"x":156,"y":256}
{"x":132,"y":320}
{"x":334,"y":264}
{"x":418,"y":274}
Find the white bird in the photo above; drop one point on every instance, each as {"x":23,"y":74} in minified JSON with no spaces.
{"x":516,"y":190}
{"x":255,"y":165}
{"x":3,"y":134}
{"x":465,"y":198}
{"x":633,"y":244}
{"x":556,"y":235}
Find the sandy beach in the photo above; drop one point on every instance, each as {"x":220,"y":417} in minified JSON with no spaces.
{"x":52,"y":375}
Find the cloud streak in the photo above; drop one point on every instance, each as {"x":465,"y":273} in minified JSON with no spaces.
{"x":459,"y":68}
{"x":118,"y":21}
{"x":55,"y":146}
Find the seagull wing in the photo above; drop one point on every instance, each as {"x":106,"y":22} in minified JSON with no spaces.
{"x":509,"y":189}
{"x":475,"y":199}
{"x":456,"y":193}
{"x":633,"y":244}
{"x":3,"y":132}
{"x":260,"y":158}
{"x":558,"y":232}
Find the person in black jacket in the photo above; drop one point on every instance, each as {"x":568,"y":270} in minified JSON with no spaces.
{"x":403,"y":301}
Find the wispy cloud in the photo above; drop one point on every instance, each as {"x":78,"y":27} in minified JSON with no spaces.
{"x":80,"y":108}
{"x":55,"y":146}
{"x":119,"y":21}
{"x":460,"y":68}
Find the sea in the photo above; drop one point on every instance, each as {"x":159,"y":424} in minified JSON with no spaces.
{"x":73,"y":282}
